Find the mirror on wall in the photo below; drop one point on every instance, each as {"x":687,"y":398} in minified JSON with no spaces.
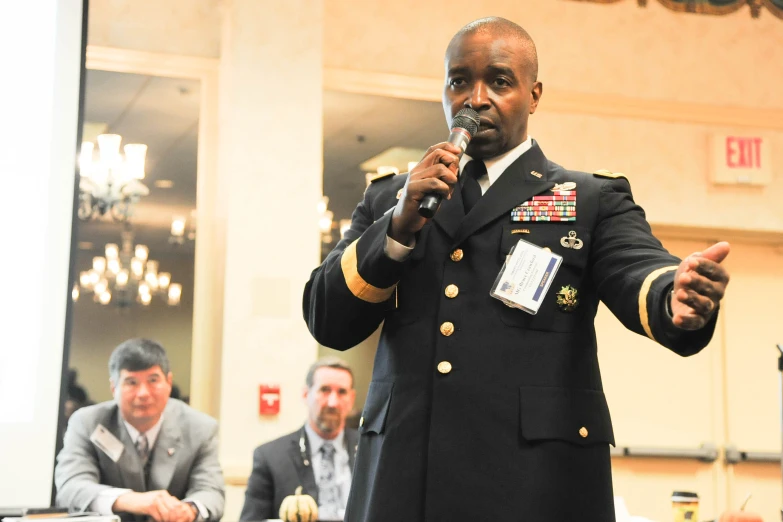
{"x":137,"y":227}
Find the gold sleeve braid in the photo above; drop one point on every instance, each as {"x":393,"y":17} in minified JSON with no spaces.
{"x":356,"y":283}
{"x":645,"y":289}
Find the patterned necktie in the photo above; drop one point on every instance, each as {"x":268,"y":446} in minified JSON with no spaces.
{"x":328,"y":491}
{"x":471,"y":190}
{"x":143,"y":447}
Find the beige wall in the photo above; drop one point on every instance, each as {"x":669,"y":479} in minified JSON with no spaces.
{"x":649,"y":53}
{"x":628,"y":89}
{"x":183,"y":27}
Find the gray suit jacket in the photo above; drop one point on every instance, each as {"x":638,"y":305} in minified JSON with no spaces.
{"x":184,"y":459}
{"x":278,"y":469}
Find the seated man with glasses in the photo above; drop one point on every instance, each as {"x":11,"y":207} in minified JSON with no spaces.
{"x":142,"y":455}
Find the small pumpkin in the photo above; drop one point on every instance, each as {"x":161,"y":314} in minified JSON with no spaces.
{"x":741,"y":515}
{"x":298,"y":508}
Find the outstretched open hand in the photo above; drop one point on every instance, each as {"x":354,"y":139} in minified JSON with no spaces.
{"x":699,"y":285}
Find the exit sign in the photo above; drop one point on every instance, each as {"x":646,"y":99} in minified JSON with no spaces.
{"x":741,"y":159}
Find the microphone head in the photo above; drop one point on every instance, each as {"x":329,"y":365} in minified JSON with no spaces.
{"x":467,"y":119}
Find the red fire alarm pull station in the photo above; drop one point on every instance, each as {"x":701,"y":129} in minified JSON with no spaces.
{"x":269,"y":399}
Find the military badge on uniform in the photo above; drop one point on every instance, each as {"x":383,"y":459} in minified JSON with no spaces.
{"x":561,"y":206}
{"x":536,"y":174}
{"x":560,"y":187}
{"x":567,"y":298}
{"x":572,"y":241}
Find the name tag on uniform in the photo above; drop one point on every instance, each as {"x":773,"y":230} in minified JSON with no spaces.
{"x":526,"y":276}
{"x":107,"y":442}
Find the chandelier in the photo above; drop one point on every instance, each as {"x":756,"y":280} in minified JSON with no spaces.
{"x":110,"y":186}
{"x":125,"y":276}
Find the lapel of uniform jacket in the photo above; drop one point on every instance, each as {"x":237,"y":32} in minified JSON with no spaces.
{"x":129,"y":463}
{"x":514,"y":186}
{"x":303,"y":471}
{"x":167,"y":449}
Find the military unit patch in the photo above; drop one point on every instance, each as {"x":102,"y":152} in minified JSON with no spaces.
{"x":561,"y":206}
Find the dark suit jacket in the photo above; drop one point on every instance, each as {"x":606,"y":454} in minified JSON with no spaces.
{"x":517,"y":428}
{"x":278,"y":469}
{"x":184,"y":459}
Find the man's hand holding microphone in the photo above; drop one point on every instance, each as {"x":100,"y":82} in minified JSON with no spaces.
{"x":432,"y":179}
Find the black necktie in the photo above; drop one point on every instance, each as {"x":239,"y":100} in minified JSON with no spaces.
{"x":471,"y":190}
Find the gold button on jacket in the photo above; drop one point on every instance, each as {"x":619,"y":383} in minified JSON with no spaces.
{"x":457,"y":255}
{"x":444,"y":367}
{"x":583,"y":432}
{"x":452,"y":291}
{"x":447,"y":328}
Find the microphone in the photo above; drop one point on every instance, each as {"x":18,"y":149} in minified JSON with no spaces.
{"x":463,"y":127}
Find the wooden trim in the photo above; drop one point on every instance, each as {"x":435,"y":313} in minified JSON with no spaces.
{"x":210,"y":246}
{"x":703,"y":8}
{"x":714,"y":234}
{"x":774,"y":9}
{"x":607,"y":105}
{"x":383,"y":84}
{"x":153,"y":64}
{"x":236,"y":480}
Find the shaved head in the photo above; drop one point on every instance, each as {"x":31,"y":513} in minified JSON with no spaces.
{"x":492,"y":67}
{"x":500,"y":27}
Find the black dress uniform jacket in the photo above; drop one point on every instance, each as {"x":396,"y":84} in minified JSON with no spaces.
{"x":504,"y":418}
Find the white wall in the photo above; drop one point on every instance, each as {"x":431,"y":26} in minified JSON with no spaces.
{"x":38,"y":132}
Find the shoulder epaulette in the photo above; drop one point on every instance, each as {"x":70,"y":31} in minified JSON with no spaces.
{"x":603,"y":173}
{"x":381,"y":176}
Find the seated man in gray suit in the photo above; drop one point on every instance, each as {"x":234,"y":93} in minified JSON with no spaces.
{"x":319,"y":456}
{"x":142,"y":455}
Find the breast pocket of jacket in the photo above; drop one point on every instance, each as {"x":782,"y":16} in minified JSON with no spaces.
{"x":557,"y":313}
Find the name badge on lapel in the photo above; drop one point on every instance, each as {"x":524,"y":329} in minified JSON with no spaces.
{"x":560,"y":206}
{"x":524,"y":280}
{"x":105,"y":441}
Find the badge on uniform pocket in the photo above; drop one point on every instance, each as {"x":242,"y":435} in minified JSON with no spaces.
{"x":526,"y":276}
{"x":567,"y":298}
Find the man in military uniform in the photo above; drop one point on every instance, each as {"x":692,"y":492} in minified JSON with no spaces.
{"x":476,"y":410}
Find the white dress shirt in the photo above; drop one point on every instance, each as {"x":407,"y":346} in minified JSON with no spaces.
{"x":342,"y":466}
{"x":495,"y":167}
{"x":103,"y":503}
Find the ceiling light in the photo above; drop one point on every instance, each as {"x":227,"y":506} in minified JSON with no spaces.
{"x":126,"y":276}
{"x":163,"y":183}
{"x":110,"y":186}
